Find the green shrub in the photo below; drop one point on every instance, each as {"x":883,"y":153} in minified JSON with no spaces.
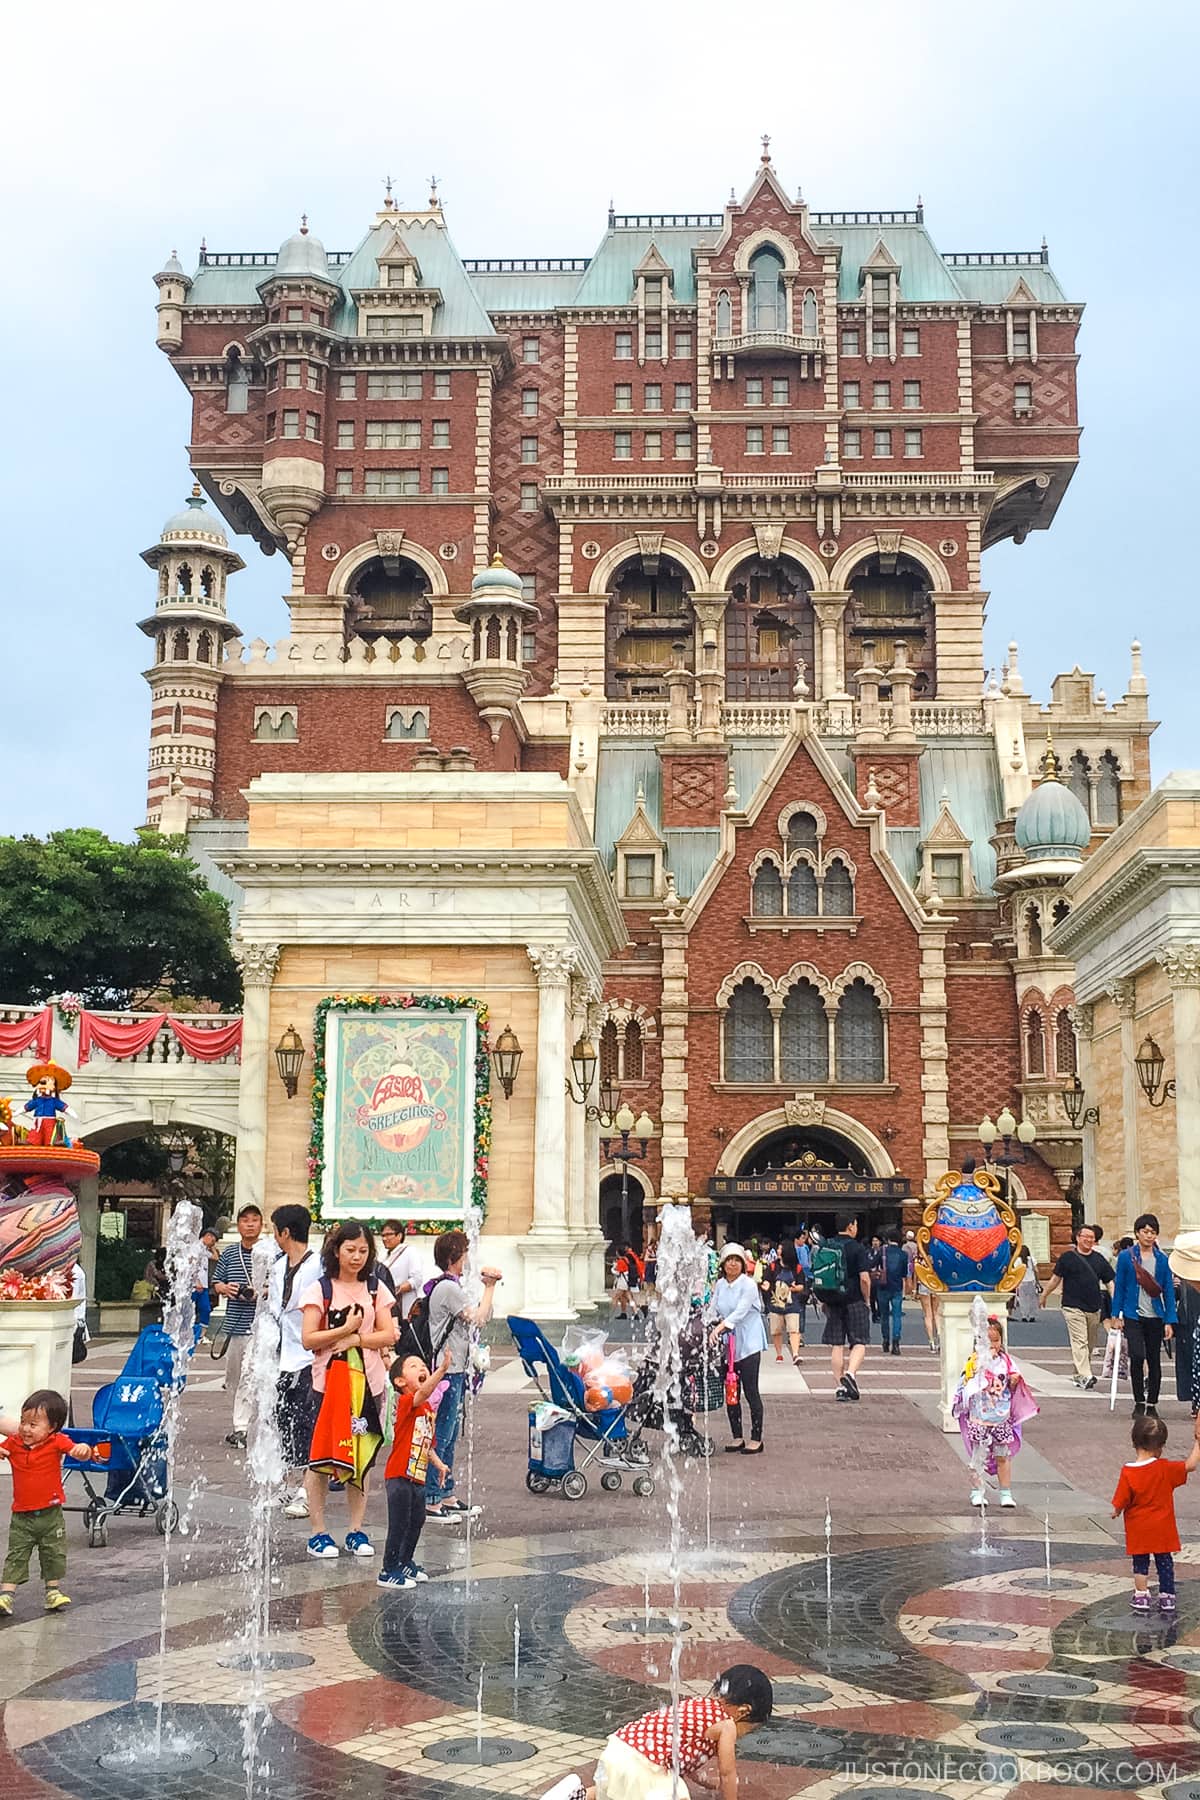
{"x":119,"y":1264}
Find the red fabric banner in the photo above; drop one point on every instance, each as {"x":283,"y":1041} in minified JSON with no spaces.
{"x":115,"y":1039}
{"x":211,"y":1045}
{"x":28,"y":1034}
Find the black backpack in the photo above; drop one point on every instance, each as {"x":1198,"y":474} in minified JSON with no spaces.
{"x":416,"y":1332}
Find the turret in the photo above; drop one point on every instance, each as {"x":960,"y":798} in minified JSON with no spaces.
{"x":299,"y":295}
{"x":498,"y":615}
{"x":189,"y":627}
{"x":172,"y":285}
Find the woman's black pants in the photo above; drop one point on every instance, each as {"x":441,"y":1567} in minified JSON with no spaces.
{"x":1145,"y":1340}
{"x":747,"y":1373}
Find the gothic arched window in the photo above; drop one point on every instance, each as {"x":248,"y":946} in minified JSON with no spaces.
{"x":1077,"y":781}
{"x":1066,"y":1056}
{"x":207,"y":582}
{"x":610,"y":1052}
{"x":1033,"y":930}
{"x":767,"y":311}
{"x":838,"y":891}
{"x":492,"y":648}
{"x":749,"y":1036}
{"x":634,"y":1060}
{"x":237,"y":384}
{"x":1108,"y":791}
{"x":724,"y":315}
{"x":177,"y":721}
{"x":204,"y":647}
{"x":801,"y":832}
{"x":803,"y":1036}
{"x":183,"y":580}
{"x":1035,"y":1044}
{"x":766,"y":896}
{"x":179,"y":647}
{"x":859,"y":1034}
{"x":810,"y":313}
{"x":802,"y":891}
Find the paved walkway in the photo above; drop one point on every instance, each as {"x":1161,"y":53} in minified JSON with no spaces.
{"x":908,"y":1665}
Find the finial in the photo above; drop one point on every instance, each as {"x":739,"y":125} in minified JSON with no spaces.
{"x":554,"y":682}
{"x":203,"y":248}
{"x":1137,"y":677}
{"x":732,"y":195}
{"x":303,"y":224}
{"x":1017,"y":760}
{"x":388,"y":200}
{"x":639,"y":798}
{"x":730,"y":798}
{"x":585,"y":685}
{"x":872,"y":799}
{"x":1049,"y":760}
{"x":800,"y":685}
{"x":1101,"y":698}
{"x":497,"y":560}
{"x":944,"y":798}
{"x":799,"y":195}
{"x":766,"y":147}
{"x":672,"y":902}
{"x":612,"y":214}
{"x":196,"y":493}
{"x":581,"y":761}
{"x":434,"y":202}
{"x":1014,"y":684}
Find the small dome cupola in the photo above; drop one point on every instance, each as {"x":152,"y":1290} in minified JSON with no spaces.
{"x":192,"y":561}
{"x":1052,"y":828}
{"x":194,"y":523}
{"x":302,"y":256}
{"x":499,"y":615}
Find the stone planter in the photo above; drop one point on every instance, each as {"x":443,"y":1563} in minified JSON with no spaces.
{"x":35,"y":1348}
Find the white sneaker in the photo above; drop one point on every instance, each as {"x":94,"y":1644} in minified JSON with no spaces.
{"x":297,"y":1506}
{"x":978,"y":1497}
{"x":1006,"y":1498}
{"x":569,"y":1788}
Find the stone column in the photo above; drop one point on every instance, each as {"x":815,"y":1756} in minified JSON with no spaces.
{"x":89,"y":1224}
{"x":1182,"y":965}
{"x":553,"y":965}
{"x":1123,"y":995}
{"x":1083,"y":1019}
{"x":674,"y":1050}
{"x":829,"y":611}
{"x":258,"y":963}
{"x":935,"y":1054}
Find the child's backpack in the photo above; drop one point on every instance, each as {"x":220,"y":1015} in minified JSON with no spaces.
{"x":829,"y":1269}
{"x":416,"y":1333}
{"x":895,"y":1266}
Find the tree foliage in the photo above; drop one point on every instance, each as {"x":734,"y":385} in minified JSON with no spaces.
{"x":113,"y":922}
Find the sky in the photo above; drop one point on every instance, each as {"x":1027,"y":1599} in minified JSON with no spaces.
{"x":134,"y":128}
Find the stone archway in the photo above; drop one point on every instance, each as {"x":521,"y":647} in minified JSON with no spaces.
{"x":832,"y":1123}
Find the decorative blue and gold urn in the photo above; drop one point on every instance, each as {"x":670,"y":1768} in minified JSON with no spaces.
{"x":969,"y":1241}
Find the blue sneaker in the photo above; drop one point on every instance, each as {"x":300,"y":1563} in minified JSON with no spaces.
{"x":322,"y":1545}
{"x":359,"y":1544}
{"x":415,"y":1572}
{"x":394,"y":1578}
{"x":336,"y":1485}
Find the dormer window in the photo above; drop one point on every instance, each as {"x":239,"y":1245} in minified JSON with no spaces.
{"x":393,"y":276}
{"x":947,"y":871}
{"x":638,"y":872}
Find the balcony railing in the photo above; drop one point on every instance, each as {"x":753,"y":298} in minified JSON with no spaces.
{"x":768,"y":343}
{"x":773,"y":718}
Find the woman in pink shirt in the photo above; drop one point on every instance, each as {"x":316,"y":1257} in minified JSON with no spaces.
{"x":348,"y":1321}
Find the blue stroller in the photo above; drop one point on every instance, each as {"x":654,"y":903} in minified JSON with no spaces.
{"x":552,"y":1453}
{"x":128,"y":1416}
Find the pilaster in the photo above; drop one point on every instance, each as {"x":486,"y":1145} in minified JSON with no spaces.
{"x":1181,"y":964}
{"x":935,"y":1081}
{"x":674,"y":1016}
{"x":258,"y":963}
{"x":1123,"y":995}
{"x":958,"y":640}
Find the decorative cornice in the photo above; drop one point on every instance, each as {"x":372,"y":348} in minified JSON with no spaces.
{"x":1122,"y":894}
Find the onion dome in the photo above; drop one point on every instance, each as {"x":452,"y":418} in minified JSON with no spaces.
{"x":302,"y":255}
{"x":1052,"y":827}
{"x":497,"y":579}
{"x":172,"y":269}
{"x":195,"y":522}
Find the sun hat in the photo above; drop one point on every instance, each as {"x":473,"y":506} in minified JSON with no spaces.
{"x":1185,"y":1257}
{"x":48,"y":1071}
{"x":728,"y":1250}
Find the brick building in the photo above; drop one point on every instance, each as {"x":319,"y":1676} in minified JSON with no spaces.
{"x":741,"y":470}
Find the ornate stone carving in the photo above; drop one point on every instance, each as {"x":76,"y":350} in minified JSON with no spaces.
{"x":389,"y":543}
{"x":1182,"y":965}
{"x":769,"y":539}
{"x":1083,"y":1018}
{"x":649,"y":543}
{"x":804,"y":1110}
{"x":1123,"y":995}
{"x":258,"y":962}
{"x":553,"y":964}
{"x":694,"y":786}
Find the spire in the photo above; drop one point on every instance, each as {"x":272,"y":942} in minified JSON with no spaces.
{"x":304,"y":224}
{"x":435,"y":204}
{"x":1137,"y":678}
{"x":389,"y":199}
{"x":1049,"y":760}
{"x":766,"y":148}
{"x":612,"y":214}
{"x":1013,"y":683}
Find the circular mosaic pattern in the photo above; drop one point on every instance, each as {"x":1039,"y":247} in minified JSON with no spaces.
{"x":1182,"y":1790}
{"x":948,"y":547}
{"x":1048,"y":1687}
{"x":448,"y":552}
{"x":709,"y":548}
{"x":1035,"y":1739}
{"x":175,"y":1758}
{"x":1037,"y":1584}
{"x":791,"y":1742}
{"x":1186,"y":1661}
{"x":483,"y":1752}
{"x":854,"y":1656}
{"x":973,"y":1634}
{"x":655,"y":1625}
{"x":799,"y":1693}
{"x":244,"y":1663}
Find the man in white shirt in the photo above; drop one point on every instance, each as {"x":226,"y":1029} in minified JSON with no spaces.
{"x":295,"y":1269}
{"x":405,"y":1264}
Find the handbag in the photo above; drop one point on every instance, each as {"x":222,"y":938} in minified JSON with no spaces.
{"x":79,"y":1345}
{"x":1144,"y":1280}
{"x":732,"y":1384}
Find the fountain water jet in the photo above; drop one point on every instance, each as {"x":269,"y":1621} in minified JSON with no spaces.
{"x":978,"y":1458}
{"x":179,"y":1323}
{"x":265,"y":1468}
{"x":473,"y":1287}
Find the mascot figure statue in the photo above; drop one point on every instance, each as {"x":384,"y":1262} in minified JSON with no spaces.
{"x":969,"y":1240}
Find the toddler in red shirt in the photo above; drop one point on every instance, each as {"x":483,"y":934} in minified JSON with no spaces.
{"x":407,"y":1467}
{"x":1146,"y":1495}
{"x":35,"y":1450}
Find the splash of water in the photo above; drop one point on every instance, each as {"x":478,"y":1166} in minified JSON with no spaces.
{"x":828,"y":1553}
{"x":479,"y":1714}
{"x":183,"y":1263}
{"x":473,"y":1287}
{"x":516,"y":1644}
{"x":979,"y":1455}
{"x":264,"y":1466}
{"x":1049,"y":1578}
{"x":682,"y":1267}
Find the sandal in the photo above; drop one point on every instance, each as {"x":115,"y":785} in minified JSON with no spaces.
{"x":734,"y":1449}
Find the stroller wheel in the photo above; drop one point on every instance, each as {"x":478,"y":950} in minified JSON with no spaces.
{"x":574,"y":1485}
{"x":166,"y":1517}
{"x":643,"y":1486}
{"x":610,"y":1481}
{"x":537,"y":1484}
{"x":97,"y":1529}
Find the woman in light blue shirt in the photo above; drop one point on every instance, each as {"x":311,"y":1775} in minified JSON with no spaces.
{"x":736,"y":1306}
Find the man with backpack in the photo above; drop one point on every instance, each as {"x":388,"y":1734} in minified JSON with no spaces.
{"x":841,"y":1280}
{"x":293,"y":1270}
{"x":442,"y":1319}
{"x":893,"y":1272}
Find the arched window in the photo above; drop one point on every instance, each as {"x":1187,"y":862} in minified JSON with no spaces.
{"x":749,"y":1036}
{"x":767,"y":311}
{"x":1108,"y":791}
{"x":204,"y":647}
{"x":207,"y":582}
{"x":859,"y":1034}
{"x":810,"y":313}
{"x":801,"y":832}
{"x":1062,"y":910}
{"x":766,"y":898}
{"x":237,"y":383}
{"x":492,"y":651}
{"x":160,"y":647}
{"x":1033,"y":930}
{"x":285,"y":731}
{"x":179,"y":647}
{"x":803,"y":1036}
{"x":510,"y":642}
{"x":1077,"y":781}
{"x":838,"y":891}
{"x":1035,"y":1044}
{"x":802,"y":891}
{"x":183,"y":580}
{"x":477,"y":641}
{"x":404,"y":723}
{"x":610,"y":1052}
{"x":724,"y":315}
{"x":1066,"y":1055}
{"x":177,"y":721}
{"x":634,"y":1060}
{"x":164,"y":579}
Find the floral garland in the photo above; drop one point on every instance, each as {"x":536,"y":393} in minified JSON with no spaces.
{"x":483,"y":1098}
{"x":68,"y":1008}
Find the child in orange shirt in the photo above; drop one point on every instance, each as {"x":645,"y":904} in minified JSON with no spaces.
{"x":1146,"y":1495}
{"x":35,"y":1450}
{"x":407,"y":1466}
